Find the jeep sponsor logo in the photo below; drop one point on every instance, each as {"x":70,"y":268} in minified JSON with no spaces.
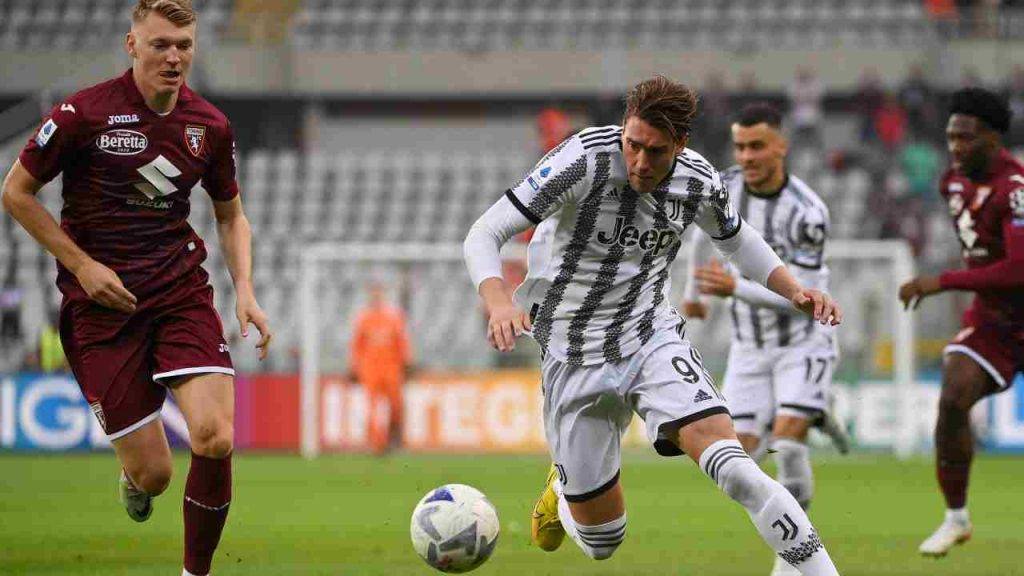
{"x":122,"y":142}
{"x":628,"y":236}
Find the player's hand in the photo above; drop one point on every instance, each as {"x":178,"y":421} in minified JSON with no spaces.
{"x":912,"y":292}
{"x":695,"y":309}
{"x":818,"y":305}
{"x":714,"y":279}
{"x":249,"y":312}
{"x":103,"y":286}
{"x":506,"y":323}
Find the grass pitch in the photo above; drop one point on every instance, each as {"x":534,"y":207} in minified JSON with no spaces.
{"x":349,"y":515}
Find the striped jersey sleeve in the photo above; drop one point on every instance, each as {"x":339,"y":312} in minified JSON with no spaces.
{"x":560,"y":177}
{"x":715,"y":213}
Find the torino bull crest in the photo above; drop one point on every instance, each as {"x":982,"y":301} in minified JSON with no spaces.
{"x":194,"y":138}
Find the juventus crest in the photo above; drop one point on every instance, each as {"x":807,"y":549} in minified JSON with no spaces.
{"x":194,"y":137}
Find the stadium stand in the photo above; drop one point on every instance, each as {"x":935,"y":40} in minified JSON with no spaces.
{"x":373,"y":25}
{"x":369,"y":25}
{"x":70,"y":24}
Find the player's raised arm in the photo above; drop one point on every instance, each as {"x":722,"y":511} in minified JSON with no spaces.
{"x":755,"y":259}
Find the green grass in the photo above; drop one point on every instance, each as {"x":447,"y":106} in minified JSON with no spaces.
{"x":350,"y":515}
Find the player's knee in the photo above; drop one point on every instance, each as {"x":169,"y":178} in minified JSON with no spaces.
{"x":213,"y":440}
{"x":954,"y":400}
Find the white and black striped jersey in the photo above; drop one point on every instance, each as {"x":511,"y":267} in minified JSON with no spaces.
{"x":599,"y":259}
{"x":795,"y":223}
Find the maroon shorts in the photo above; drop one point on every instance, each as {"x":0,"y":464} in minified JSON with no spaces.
{"x":123,"y":361}
{"x":998,"y":350}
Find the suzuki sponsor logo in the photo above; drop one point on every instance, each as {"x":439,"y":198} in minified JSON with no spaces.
{"x":122,"y":142}
{"x":122,"y":119}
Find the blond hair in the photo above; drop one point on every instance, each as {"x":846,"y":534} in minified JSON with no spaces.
{"x":178,"y":12}
{"x":666,"y":105}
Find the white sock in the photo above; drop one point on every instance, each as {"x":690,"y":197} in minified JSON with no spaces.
{"x":187,"y":573}
{"x":793,"y":460}
{"x":778,"y":517}
{"x":958,"y":515}
{"x":598,"y":542}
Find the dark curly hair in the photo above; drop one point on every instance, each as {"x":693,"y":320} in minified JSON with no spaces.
{"x":984,"y":105}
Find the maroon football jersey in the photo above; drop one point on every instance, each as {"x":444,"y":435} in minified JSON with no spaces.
{"x":989,"y":219}
{"x":128,"y":173}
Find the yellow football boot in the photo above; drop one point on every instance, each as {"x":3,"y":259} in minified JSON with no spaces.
{"x":545,"y":528}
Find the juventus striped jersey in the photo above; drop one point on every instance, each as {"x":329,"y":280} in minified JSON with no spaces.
{"x":599,"y":259}
{"x":795,"y":223}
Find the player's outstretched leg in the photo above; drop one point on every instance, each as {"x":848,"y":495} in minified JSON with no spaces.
{"x":207,"y":403}
{"x":964,"y":382}
{"x":778,"y":517}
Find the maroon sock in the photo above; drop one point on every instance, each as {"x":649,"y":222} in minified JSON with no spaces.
{"x":207,"y":497}
{"x":953,"y":478}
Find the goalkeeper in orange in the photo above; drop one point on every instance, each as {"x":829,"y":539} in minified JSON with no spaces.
{"x":380,"y":361}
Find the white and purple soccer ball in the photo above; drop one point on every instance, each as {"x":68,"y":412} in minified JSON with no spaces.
{"x":454,"y":528}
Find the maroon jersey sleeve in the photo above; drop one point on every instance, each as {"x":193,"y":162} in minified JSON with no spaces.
{"x":1005,"y":273}
{"x":219,"y":180}
{"x":52,"y":147}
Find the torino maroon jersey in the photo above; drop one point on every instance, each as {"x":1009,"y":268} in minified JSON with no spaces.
{"x":989,"y":220}
{"x":128,"y":173}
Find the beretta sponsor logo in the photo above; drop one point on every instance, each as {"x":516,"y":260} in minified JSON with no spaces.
{"x":122,"y":142}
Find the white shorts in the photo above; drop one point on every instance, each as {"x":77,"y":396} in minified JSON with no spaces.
{"x":761,"y":383}
{"x":588,"y":408}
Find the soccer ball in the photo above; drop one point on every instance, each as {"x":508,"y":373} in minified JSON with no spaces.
{"x":454,"y":528}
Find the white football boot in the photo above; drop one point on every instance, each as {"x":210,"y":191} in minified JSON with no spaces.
{"x":950,"y":533}
{"x":783,"y":568}
{"x":138,"y":504}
